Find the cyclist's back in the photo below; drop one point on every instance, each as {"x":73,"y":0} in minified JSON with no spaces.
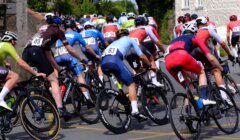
{"x":7,"y":49}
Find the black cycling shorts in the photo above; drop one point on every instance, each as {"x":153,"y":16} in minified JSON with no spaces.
{"x":150,"y":46}
{"x":234,"y":40}
{"x":35,"y":57}
{"x":3,"y":73}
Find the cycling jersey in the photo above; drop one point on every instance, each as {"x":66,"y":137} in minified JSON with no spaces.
{"x":122,"y":20}
{"x":130,"y":24}
{"x":112,"y":59}
{"x":152,"y":22}
{"x":205,"y":33}
{"x":7,"y":49}
{"x":178,"y":30}
{"x":234,"y":26}
{"x":109,"y":31}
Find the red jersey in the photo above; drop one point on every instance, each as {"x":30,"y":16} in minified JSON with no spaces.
{"x":109,"y":30}
{"x":234,"y":26}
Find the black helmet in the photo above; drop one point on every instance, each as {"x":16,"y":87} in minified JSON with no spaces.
{"x":194,"y":16}
{"x":123,"y":14}
{"x":140,"y":20}
{"x":122,"y":32}
{"x":110,"y":18}
{"x":69,"y":24}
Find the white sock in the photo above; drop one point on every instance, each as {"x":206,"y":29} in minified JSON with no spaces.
{"x":223,"y":94}
{"x":234,"y":51}
{"x":101,"y":78}
{"x":134,"y":107}
{"x":87,"y":95}
{"x":157,"y":63}
{"x":3,"y":93}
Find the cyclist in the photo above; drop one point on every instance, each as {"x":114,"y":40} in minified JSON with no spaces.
{"x":100,"y":22}
{"x":7,"y":48}
{"x":63,"y":58}
{"x":139,"y":34}
{"x":130,"y":23}
{"x":112,"y":62}
{"x":91,"y":36}
{"x":38,"y":53}
{"x":109,"y":30}
{"x":151,"y":21}
{"x":178,"y":58}
{"x":234,"y":27}
{"x":122,"y":19}
{"x":177,"y":31}
{"x":206,"y":33}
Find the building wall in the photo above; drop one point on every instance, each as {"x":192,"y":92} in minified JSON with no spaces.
{"x":217,"y":10}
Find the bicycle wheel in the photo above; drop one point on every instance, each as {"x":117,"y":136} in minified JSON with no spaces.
{"x":168,"y":86}
{"x":88,"y":115}
{"x":233,"y":89}
{"x":114,"y":110}
{"x":39,"y":117}
{"x":155,"y":104}
{"x":226,"y":115}
{"x":184,"y":118}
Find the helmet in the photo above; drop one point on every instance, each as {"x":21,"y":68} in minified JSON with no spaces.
{"x":140,"y":20}
{"x":47,"y":15}
{"x":189,"y":27}
{"x":123,"y":14}
{"x":145,"y":14}
{"x":94,"y":15}
{"x":194,"y":16}
{"x":131,"y":15}
{"x":201,"y":20}
{"x":9,"y":36}
{"x":122,"y":32}
{"x":88,"y":24}
{"x":233,"y":18}
{"x":109,"y":18}
{"x":187,"y":17}
{"x":57,"y":20}
{"x":100,"y":16}
{"x":180,"y":19}
{"x":69,"y":24}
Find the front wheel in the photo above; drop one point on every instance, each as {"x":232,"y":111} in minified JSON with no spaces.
{"x":39,"y":118}
{"x":114,"y":110}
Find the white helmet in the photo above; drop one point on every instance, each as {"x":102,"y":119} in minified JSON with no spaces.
{"x":202,"y":20}
{"x":131,"y":15}
{"x":88,"y":23}
{"x":48,"y":15}
{"x":189,"y":26}
{"x":9,"y":36}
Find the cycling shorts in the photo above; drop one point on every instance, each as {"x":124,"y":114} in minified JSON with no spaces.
{"x":35,"y":57}
{"x":3,"y":73}
{"x":181,"y":60}
{"x":69,"y":61}
{"x":234,"y":40}
{"x":113,"y":64}
{"x":150,"y":46}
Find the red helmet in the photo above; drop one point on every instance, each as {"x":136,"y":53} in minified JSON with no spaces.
{"x":180,"y":19}
{"x":233,"y":18}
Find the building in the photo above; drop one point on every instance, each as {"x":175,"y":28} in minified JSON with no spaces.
{"x":218,"y":11}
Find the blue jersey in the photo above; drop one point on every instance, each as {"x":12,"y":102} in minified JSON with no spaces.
{"x":124,"y":45}
{"x":91,"y":37}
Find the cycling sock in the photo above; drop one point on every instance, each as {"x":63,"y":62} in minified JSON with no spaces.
{"x":86,"y":94}
{"x":134,"y":107}
{"x":3,"y":93}
{"x":203,"y":91}
{"x":234,"y":51}
{"x":223,"y":94}
{"x":101,"y":78}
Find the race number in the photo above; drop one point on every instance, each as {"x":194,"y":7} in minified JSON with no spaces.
{"x":37,"y":41}
{"x":137,"y":41}
{"x":110,"y":51}
{"x":236,"y":29}
{"x":60,"y":51}
{"x":90,"y":41}
{"x":180,"y":76}
{"x":109,"y":34}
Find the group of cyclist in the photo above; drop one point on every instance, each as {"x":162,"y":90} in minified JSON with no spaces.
{"x":132,"y":37}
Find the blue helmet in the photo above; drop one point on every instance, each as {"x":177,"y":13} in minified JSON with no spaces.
{"x":57,"y":20}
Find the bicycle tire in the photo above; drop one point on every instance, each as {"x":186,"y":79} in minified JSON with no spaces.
{"x":35,"y":131}
{"x":222,"y":107}
{"x":228,"y":80}
{"x":155,"y":104}
{"x":89,"y":116}
{"x":186,"y":119}
{"x":168,"y":86}
{"x":106,"y":98}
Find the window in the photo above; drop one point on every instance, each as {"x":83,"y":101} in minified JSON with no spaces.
{"x":199,"y":3}
{"x":185,"y":4}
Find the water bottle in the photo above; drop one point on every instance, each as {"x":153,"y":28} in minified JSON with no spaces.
{"x":10,"y":102}
{"x":199,"y":102}
{"x":63,"y":89}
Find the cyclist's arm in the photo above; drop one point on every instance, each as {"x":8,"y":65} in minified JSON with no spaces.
{"x":52,"y":60}
{"x":100,"y":35}
{"x":155,"y":39}
{"x":26,"y":67}
{"x":228,"y":34}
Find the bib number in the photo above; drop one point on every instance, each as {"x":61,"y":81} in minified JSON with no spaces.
{"x":37,"y":41}
{"x":180,"y":77}
{"x":90,"y":41}
{"x":236,"y":29}
{"x":109,"y":34}
{"x":60,"y":51}
{"x":136,"y":39}
{"x":110,"y":51}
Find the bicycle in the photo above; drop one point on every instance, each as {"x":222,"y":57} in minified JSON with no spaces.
{"x":190,"y":117}
{"x":33,"y":112}
{"x":114,"y":106}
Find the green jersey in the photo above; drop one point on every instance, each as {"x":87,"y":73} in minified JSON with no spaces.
{"x":7,"y":49}
{"x":128,"y":24}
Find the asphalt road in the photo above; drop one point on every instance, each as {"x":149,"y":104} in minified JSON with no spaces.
{"x":78,"y":130}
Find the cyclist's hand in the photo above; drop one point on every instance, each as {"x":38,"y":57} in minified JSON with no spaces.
{"x":98,"y":57}
{"x":41,"y":75}
{"x":85,"y":61}
{"x":8,"y":65}
{"x":231,"y":58}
